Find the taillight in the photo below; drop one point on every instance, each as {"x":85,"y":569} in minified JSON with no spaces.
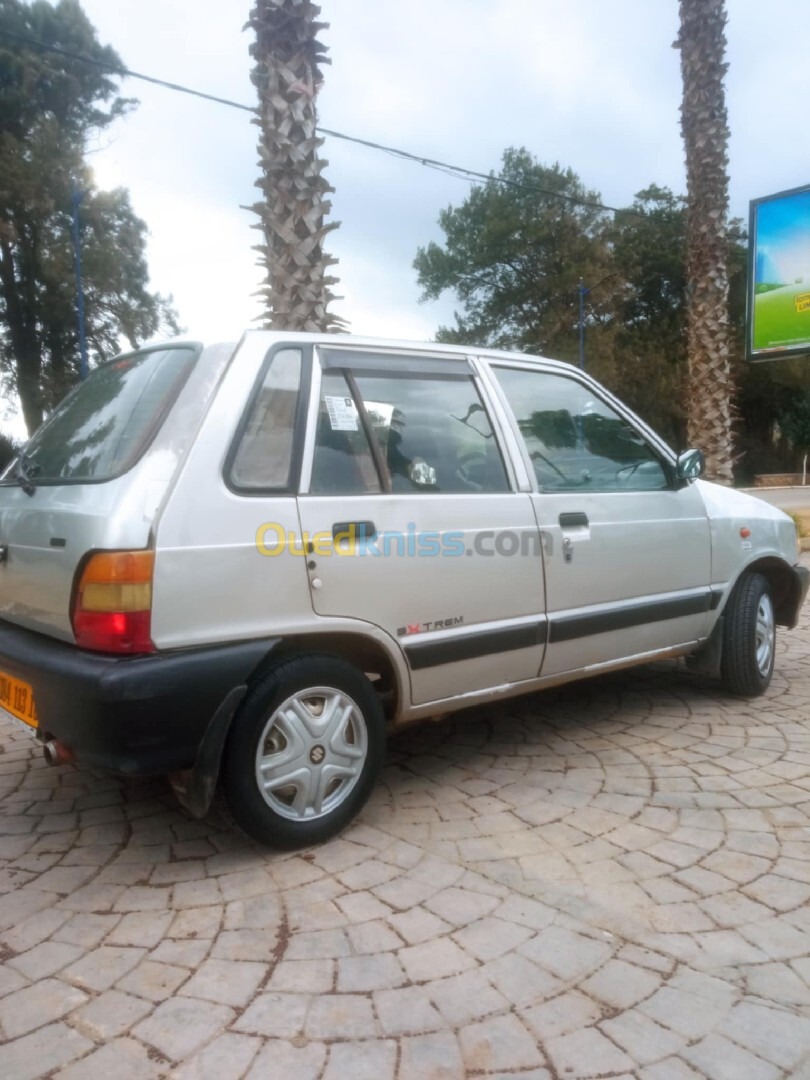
{"x":112,"y":609}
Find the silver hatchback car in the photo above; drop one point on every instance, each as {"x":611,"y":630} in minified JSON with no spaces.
{"x":241,"y":564}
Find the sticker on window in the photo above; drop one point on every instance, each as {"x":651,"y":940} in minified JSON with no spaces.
{"x":342,"y":413}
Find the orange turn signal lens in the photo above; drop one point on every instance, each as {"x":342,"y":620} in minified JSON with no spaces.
{"x":113,"y":606}
{"x":119,"y":567}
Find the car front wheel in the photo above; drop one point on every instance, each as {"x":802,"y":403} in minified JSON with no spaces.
{"x":303,"y":752}
{"x":749,"y":637}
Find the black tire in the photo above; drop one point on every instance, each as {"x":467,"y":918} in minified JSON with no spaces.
{"x":746,"y":666}
{"x":290,"y":750}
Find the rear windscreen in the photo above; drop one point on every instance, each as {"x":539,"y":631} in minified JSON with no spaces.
{"x":102,"y":428}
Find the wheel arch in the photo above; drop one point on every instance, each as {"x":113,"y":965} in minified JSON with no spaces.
{"x":785,"y":594}
{"x":195,"y":786}
{"x":784,"y":586}
{"x":326,"y":771}
{"x":360,"y":650}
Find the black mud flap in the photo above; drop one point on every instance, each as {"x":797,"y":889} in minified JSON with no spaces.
{"x":195,"y":787}
{"x":706,"y":659}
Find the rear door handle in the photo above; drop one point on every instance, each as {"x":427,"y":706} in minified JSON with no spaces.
{"x":573,"y":520}
{"x":354,"y":530}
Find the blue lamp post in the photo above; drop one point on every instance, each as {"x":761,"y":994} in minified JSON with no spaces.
{"x":583,"y":292}
{"x":75,"y":199}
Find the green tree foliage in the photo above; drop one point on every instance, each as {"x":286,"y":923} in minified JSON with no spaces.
{"x":8,"y":450}
{"x":514,"y":258}
{"x":648,"y":245}
{"x":795,"y":422}
{"x":768,"y":394}
{"x":50,"y":107}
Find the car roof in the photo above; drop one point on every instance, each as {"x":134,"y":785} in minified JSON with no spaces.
{"x":425,"y":349}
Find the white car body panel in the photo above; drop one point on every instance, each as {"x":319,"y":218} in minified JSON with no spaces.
{"x":212,"y":585}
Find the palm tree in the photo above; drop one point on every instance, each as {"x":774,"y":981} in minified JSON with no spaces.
{"x":287,"y":76}
{"x":704,"y":123}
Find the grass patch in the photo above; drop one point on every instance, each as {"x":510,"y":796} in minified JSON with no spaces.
{"x":802,"y":521}
{"x":779,"y":321}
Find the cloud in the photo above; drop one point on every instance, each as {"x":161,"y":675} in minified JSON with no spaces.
{"x":593,"y":85}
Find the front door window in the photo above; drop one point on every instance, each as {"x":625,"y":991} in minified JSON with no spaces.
{"x":575,"y":440}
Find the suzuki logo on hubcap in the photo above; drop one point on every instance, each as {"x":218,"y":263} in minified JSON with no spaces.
{"x":317,"y":754}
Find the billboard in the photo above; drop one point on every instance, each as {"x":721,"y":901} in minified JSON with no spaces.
{"x":778,"y":318}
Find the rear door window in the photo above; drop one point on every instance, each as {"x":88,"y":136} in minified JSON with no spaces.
{"x":434,"y":433}
{"x":101,"y":429}
{"x":404,"y":426}
{"x":342,"y":463}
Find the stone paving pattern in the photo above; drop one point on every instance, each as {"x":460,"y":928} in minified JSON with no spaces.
{"x":610,"y":879}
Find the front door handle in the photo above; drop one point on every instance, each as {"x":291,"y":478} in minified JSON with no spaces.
{"x":354,"y":530}
{"x":573,"y":520}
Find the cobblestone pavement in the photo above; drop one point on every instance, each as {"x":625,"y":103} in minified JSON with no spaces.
{"x":606,"y":880}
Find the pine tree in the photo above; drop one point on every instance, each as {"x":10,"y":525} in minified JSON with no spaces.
{"x":50,"y":106}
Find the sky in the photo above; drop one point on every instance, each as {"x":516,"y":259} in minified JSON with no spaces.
{"x":593,"y":85}
{"x":783,"y":238}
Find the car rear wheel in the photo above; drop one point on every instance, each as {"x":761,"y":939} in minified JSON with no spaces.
{"x":749,"y":637}
{"x":303,"y":752}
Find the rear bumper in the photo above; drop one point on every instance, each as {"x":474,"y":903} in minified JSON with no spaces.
{"x":141,"y":715}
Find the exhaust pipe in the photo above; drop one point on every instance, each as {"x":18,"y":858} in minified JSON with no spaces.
{"x":56,"y":753}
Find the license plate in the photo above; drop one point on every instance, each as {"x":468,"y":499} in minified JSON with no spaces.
{"x":17,"y":698}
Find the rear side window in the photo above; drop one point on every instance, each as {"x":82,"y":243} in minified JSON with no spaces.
{"x":263,"y":456}
{"x":103,"y":427}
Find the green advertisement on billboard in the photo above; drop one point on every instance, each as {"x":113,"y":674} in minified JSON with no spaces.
{"x":779,"y":276}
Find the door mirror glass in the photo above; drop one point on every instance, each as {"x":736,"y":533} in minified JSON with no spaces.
{"x":690,"y":465}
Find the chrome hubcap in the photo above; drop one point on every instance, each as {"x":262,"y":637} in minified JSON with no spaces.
{"x":311,"y":753}
{"x":765,"y":635}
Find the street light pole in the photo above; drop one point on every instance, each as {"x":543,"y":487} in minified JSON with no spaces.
{"x":583,"y":292}
{"x":75,"y":200}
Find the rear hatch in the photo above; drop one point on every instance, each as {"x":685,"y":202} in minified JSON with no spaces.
{"x":91,"y":478}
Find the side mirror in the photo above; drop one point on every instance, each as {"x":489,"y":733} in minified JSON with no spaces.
{"x":690,"y":465}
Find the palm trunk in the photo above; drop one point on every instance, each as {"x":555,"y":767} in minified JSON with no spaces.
{"x":704,"y":123}
{"x":287,"y":53}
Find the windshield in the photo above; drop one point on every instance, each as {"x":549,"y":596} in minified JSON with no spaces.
{"x":102,"y":428}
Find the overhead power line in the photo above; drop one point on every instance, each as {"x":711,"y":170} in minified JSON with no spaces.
{"x":46,"y":46}
{"x":431,"y":163}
